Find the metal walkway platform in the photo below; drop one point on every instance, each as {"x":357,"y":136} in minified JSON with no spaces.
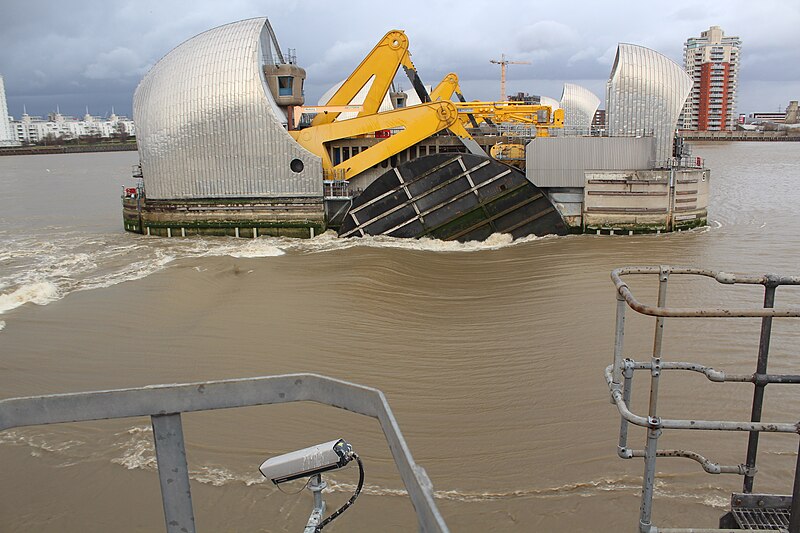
{"x":760,"y":511}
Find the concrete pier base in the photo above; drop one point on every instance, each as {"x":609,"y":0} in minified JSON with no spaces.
{"x":244,"y":217}
{"x":645,"y":201}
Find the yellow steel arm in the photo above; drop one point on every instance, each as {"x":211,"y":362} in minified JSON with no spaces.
{"x":446,"y":88}
{"x":381,"y":64}
{"x":445,"y":91}
{"x":418,"y":122}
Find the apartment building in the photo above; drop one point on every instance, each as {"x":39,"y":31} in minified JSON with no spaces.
{"x":712,"y":60}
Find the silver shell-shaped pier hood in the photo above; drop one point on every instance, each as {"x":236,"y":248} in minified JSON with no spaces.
{"x":209,"y":127}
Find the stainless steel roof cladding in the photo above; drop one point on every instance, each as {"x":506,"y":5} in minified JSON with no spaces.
{"x":579,"y":105}
{"x":208,"y":126}
{"x":645,"y":96}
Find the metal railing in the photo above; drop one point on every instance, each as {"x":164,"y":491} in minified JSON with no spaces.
{"x":336,"y":188}
{"x":687,"y":161}
{"x":164,"y":404}
{"x":619,"y":377}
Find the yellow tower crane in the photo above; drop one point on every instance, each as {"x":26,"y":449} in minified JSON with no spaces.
{"x":503,"y":63}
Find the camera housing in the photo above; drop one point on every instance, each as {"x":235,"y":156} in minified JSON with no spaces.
{"x":308,"y":461}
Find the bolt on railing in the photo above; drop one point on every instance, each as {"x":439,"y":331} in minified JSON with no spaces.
{"x":619,"y":377}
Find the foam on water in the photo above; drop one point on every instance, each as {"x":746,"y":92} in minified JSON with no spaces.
{"x":39,"y":293}
{"x":41,"y":443}
{"x":134,"y":450}
{"x":138,"y":450}
{"x":216,"y":476}
{"x":43,"y":268}
{"x":329,"y":241}
{"x":250,"y":249}
{"x":130,"y":272}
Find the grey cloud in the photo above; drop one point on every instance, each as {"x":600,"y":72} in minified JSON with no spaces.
{"x":546,"y":37}
{"x":118,"y":63}
{"x":78,"y":53}
{"x":690,"y":13}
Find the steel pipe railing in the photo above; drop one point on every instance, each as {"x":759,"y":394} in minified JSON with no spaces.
{"x":165,"y":403}
{"x":619,"y":377}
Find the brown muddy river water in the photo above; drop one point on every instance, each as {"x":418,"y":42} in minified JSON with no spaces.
{"x":491,"y":356}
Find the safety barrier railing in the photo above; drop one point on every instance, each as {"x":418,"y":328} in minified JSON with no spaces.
{"x":164,"y":404}
{"x":687,"y":161}
{"x":619,"y":377}
{"x":336,"y":186}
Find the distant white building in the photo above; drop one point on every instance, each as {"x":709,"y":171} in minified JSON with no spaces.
{"x":34,"y":129}
{"x":7,"y":136}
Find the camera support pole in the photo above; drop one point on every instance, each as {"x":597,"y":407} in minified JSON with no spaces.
{"x":316,"y":485}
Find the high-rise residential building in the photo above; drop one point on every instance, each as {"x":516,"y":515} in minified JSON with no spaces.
{"x":712,"y":60}
{"x":7,"y":135}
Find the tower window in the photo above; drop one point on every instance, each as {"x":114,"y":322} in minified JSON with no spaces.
{"x":285,"y":85}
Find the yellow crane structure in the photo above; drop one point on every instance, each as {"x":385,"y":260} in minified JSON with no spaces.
{"x":413,"y":124}
{"x":503,"y":62}
{"x":541,"y":116}
{"x":463,"y":196}
{"x":447,"y":88}
{"x":410,"y":125}
{"x":380,"y":66}
{"x":416,"y":122}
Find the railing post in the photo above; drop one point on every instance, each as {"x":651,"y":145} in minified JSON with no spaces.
{"x":173,"y":473}
{"x":758,"y":393}
{"x":649,"y":478}
{"x":619,"y":339}
{"x":658,"y":336}
{"x":794,"y":517}
{"x":653,"y":431}
{"x":620,"y":372}
{"x":622,"y":446}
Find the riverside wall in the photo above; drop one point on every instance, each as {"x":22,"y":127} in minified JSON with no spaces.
{"x":69,"y":149}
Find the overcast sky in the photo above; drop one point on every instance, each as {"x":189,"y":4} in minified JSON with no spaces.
{"x":93,"y":53}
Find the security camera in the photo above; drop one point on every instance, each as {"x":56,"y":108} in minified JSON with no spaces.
{"x":308,"y":461}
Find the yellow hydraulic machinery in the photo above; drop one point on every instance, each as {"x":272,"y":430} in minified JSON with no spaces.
{"x":409,"y":125}
{"x":518,"y":112}
{"x":380,"y":66}
{"x":445,"y":195}
{"x":296,"y":112}
{"x":417,"y":122}
{"x":509,"y":153}
{"x":542,"y":117}
{"x":446,"y":89}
